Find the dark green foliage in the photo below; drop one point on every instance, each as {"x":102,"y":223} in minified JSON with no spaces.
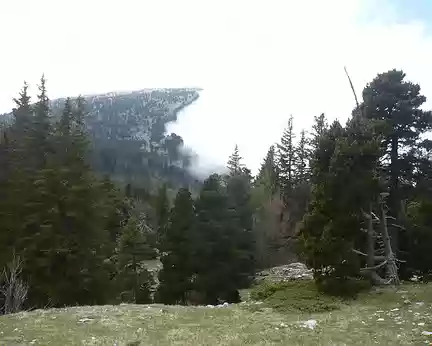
{"x":420,"y":222}
{"x":56,"y":215}
{"x":301,"y":168}
{"x":133,"y":278}
{"x":240,"y":222}
{"x":178,"y":252}
{"x":268,"y":175}
{"x":286,"y":160}
{"x":162,"y":210}
{"x":215,"y":246}
{"x":294,"y":296}
{"x":234,"y":164}
{"x":394,"y":104}
{"x":345,"y":183}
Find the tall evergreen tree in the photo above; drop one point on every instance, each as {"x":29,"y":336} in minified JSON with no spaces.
{"x":234,"y":162}
{"x":240,"y":223}
{"x":345,"y":183}
{"x":178,"y":253}
{"x":268,"y":174}
{"x":395,"y":103}
{"x":214,"y":278}
{"x":301,"y":168}
{"x":162,"y":210}
{"x":134,"y":279}
{"x":286,"y":159}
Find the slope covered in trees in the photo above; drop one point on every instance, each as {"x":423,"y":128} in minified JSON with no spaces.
{"x":128,"y":137}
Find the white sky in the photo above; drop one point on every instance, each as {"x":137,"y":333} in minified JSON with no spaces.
{"x":258,"y":60}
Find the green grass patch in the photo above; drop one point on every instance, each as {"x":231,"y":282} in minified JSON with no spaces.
{"x":389,"y":316}
{"x":292,"y":296}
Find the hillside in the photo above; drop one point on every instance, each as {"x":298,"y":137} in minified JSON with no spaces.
{"x":402,"y":317}
{"x":127,"y":131}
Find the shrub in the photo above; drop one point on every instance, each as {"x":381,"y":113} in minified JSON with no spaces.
{"x":294,"y":296}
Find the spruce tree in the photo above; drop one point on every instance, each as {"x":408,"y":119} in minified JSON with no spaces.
{"x":134,"y":279}
{"x":162,"y":210}
{"x":240,"y":223}
{"x":268,"y":174}
{"x":215,"y":279}
{"x":286,"y":160}
{"x":234,"y":164}
{"x":301,"y":168}
{"x":345,"y":184}
{"x":177,"y":252}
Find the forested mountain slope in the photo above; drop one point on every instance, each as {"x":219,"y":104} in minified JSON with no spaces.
{"x":127,"y":131}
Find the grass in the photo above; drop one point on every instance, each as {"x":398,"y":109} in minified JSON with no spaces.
{"x":384,"y":317}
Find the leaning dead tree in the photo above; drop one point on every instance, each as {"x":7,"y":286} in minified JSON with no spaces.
{"x":381,"y":262}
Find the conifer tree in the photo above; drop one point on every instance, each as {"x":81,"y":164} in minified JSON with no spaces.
{"x":234,"y":164}
{"x":133,"y":277}
{"x":178,"y":253}
{"x":301,"y":169}
{"x":286,"y":159}
{"x":240,"y":223}
{"x":162,"y":209}
{"x":268,"y":174}
{"x":215,"y":278}
{"x":394,"y":104}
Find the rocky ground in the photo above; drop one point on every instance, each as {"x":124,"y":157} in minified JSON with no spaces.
{"x":288,"y":272}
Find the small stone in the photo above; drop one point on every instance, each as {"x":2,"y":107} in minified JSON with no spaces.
{"x":426,"y":333}
{"x":421,"y":324}
{"x":395,"y":309}
{"x":311,"y":324}
{"x":380,"y":319}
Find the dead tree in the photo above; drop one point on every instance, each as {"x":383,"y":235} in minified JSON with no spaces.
{"x":13,"y":288}
{"x":386,"y":258}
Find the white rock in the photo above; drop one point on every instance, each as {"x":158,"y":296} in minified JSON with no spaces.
{"x":421,"y":324}
{"x":210,"y":306}
{"x":380,"y":319}
{"x":225,"y":304}
{"x":426,"y":333}
{"x":311,"y":324}
{"x":395,"y":309}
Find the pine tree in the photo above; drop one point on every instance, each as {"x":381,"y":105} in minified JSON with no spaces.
{"x":214,"y":279}
{"x":133,"y":277}
{"x":41,"y":127}
{"x":301,"y":169}
{"x":162,"y":210}
{"x":240,"y":223}
{"x":178,"y":251}
{"x":286,"y":159}
{"x":268,"y":174}
{"x":345,"y":184}
{"x":234,"y":164}
{"x":395,"y":106}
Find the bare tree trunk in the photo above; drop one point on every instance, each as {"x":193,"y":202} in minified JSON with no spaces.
{"x":370,"y":239}
{"x":391,"y":266}
{"x":13,"y":289}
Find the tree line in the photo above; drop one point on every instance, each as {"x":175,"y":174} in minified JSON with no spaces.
{"x":70,"y":236}
{"x":353,"y":201}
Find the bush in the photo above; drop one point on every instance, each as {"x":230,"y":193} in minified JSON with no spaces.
{"x":294,"y":296}
{"x":346,"y":288}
